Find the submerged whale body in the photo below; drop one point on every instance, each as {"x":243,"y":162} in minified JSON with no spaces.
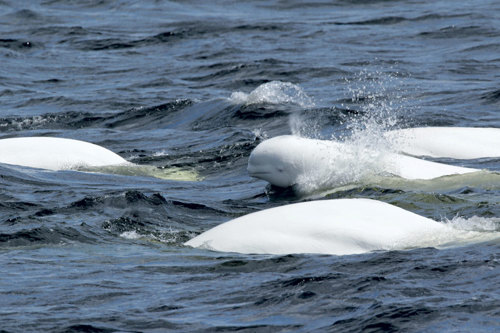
{"x":56,"y":153}
{"x":338,"y":227}
{"x":452,"y":142}
{"x":289,"y":160}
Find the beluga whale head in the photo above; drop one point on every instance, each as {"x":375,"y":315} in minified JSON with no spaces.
{"x":281,"y":160}
{"x":311,"y":164}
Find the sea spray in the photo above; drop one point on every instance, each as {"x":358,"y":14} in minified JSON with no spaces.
{"x":465,"y":231}
{"x":379,"y":98}
{"x":475,"y":223}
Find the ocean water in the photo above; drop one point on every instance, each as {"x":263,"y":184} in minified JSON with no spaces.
{"x":187,"y":89}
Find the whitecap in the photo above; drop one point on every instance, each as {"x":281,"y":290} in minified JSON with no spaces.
{"x":130,"y":235}
{"x":274,"y":92}
{"x":475,"y":223}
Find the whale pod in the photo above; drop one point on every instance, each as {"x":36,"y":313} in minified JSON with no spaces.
{"x":451,"y":142}
{"x":56,"y":153}
{"x":289,"y":160}
{"x":338,"y":227}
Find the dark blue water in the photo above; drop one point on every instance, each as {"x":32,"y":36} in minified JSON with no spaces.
{"x":169,"y":84}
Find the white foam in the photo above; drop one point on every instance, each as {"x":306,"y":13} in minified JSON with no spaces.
{"x":130,"y":235}
{"x":260,"y":133}
{"x":274,"y":92}
{"x":463,"y":231}
{"x":160,"y":153}
{"x":170,"y":236}
{"x":26,"y":123}
{"x":475,"y":223}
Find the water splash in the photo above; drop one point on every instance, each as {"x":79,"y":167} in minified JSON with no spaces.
{"x":465,"y":231}
{"x":170,"y":236}
{"x":130,"y":235}
{"x":344,"y":164}
{"x":380,"y":104}
{"x":362,"y":146}
{"x":274,"y":92}
{"x":376,"y":101}
{"x":458,"y":231}
{"x":380,"y":97}
{"x":475,"y":223}
{"x":304,"y":127}
{"x":260,"y":133}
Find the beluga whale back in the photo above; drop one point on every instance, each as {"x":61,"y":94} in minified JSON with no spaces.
{"x":338,"y":227}
{"x":451,"y":142}
{"x":56,"y":153}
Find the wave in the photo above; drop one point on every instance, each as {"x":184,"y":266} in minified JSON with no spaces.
{"x":271,"y":100}
{"x":274,"y":92}
{"x":147,"y":216}
{"x":170,"y":237}
{"x":268,"y":101}
{"x":43,"y":235}
{"x":491,"y":97}
{"x":141,"y":117}
{"x":26,"y":15}
{"x":376,"y":21}
{"x":178,"y":32}
{"x":120,"y":43}
{"x":460,"y":32}
{"x":15,"y":44}
{"x":387,"y":20}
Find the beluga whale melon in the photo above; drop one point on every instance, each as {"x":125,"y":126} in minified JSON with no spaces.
{"x":337,"y":227}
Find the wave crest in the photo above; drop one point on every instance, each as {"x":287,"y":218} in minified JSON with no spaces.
{"x":274,"y":92}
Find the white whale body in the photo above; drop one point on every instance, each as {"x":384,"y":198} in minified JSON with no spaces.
{"x":338,"y":227}
{"x":452,"y":142}
{"x":289,"y":160}
{"x":56,"y":153}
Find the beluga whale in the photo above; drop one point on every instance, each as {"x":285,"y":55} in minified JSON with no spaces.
{"x":336,"y":227}
{"x":56,"y":153}
{"x":447,"y":142}
{"x":288,"y":160}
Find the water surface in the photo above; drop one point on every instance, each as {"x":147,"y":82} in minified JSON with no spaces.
{"x":196,"y":86}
